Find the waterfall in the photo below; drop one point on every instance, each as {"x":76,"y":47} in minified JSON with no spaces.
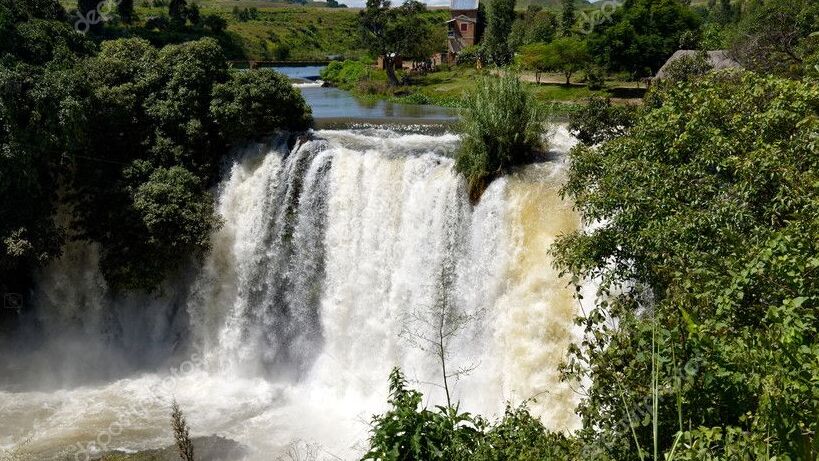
{"x":333,"y":258}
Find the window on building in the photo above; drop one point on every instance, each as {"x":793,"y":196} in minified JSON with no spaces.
{"x":464,"y":27}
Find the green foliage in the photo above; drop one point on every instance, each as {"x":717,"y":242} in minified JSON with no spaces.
{"x":600,"y":121}
{"x":408,"y":432}
{"x":501,"y":126}
{"x":708,"y":210}
{"x":245,"y":14}
{"x":519,"y":436}
{"x":566,"y":55}
{"x":345,"y":74}
{"x":258,"y":103}
{"x":567,"y":17}
{"x":404,"y":32}
{"x":178,"y":12}
{"x":534,"y":57}
{"x":131,"y":137}
{"x":642,"y":35}
{"x":175,"y":210}
{"x":216,"y":24}
{"x":499,"y":19}
{"x":774,"y":36}
{"x":536,"y":26}
{"x":595,"y":77}
{"x":125,"y":10}
{"x":470,"y":55}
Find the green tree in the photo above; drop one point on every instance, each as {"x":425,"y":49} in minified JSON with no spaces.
{"x":536,"y":26}
{"x":567,"y":17}
{"x":38,"y":111}
{"x":256,"y":104}
{"x":542,"y":27}
{"x":566,"y":55}
{"x":130,"y":136}
{"x":599,"y":121}
{"x":501,"y":127}
{"x":642,"y":35}
{"x":534,"y":57}
{"x":706,"y":253}
{"x":500,"y":17}
{"x":776,"y":37}
{"x":402,"y":32}
{"x":215,"y":23}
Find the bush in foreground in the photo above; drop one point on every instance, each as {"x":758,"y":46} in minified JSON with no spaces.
{"x":709,"y":212}
{"x":501,"y":127}
{"x":408,"y":432}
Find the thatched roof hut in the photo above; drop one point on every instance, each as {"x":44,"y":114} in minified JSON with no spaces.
{"x":719,"y":59}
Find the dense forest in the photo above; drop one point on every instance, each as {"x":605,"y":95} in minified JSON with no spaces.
{"x":118,"y":142}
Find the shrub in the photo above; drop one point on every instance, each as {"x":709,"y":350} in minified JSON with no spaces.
{"x":519,"y":436}
{"x":595,"y":77}
{"x":469,"y":55}
{"x":501,"y":127}
{"x":599,"y":121}
{"x":408,"y":432}
{"x":345,"y":74}
{"x":160,"y":22}
{"x":708,"y":214}
{"x":215,"y":23}
{"x":258,"y":102}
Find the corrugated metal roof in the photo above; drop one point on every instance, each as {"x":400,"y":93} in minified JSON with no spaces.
{"x":463,"y":4}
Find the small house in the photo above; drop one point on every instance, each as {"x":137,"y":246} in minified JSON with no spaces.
{"x":462,"y":29}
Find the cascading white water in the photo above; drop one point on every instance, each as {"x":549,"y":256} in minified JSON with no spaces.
{"x":331,"y":263}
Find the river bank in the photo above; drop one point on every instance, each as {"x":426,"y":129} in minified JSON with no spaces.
{"x":446,"y":87}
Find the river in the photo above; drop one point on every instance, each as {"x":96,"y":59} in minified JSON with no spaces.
{"x":332,"y":256}
{"x":335,"y":108}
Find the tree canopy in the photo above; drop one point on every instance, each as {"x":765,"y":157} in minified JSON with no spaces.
{"x":642,"y":35}
{"x":499,"y":19}
{"x":705,"y":248}
{"x":127,"y":137}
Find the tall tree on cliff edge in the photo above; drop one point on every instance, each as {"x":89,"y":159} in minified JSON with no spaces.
{"x":398,"y":33}
{"x":500,"y":17}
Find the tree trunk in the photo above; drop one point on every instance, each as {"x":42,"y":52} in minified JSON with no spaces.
{"x":389,"y":66}
{"x":568,"y":78}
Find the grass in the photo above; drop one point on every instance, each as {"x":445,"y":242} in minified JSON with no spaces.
{"x":447,"y":88}
{"x":282,"y":31}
